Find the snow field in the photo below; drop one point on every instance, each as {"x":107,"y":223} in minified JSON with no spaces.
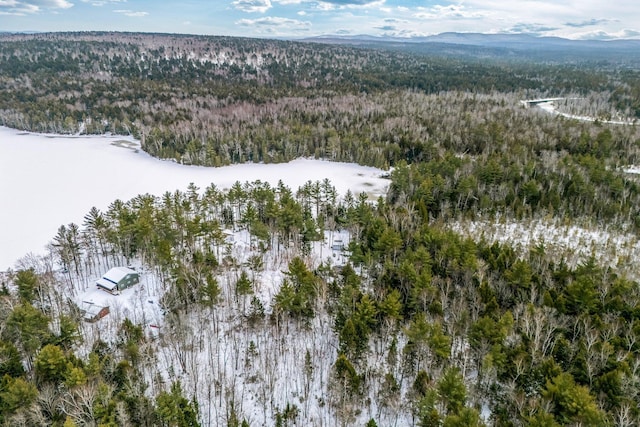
{"x":51,"y":180}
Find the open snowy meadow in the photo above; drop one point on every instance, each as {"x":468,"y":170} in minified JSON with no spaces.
{"x":51,"y":180}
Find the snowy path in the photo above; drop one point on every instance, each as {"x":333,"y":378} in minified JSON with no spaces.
{"x":548,"y":106}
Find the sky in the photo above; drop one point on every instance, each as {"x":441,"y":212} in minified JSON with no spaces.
{"x":575,"y":19}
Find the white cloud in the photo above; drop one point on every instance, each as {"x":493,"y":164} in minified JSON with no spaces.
{"x":530,"y":28}
{"x":131,"y":13}
{"x":52,"y":4}
{"x":103,"y":2}
{"x":403,"y":18}
{"x":587,"y":23}
{"x":275,"y":25}
{"x":327,"y":5}
{"x":451,"y":11}
{"x":7,"y":3}
{"x":28,"y":7}
{"x":604,"y":35}
{"x":396,"y":21}
{"x":252,"y":6}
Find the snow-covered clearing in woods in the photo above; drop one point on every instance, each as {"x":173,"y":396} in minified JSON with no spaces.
{"x":573,"y":243}
{"x":50,"y":180}
{"x":222,"y":359}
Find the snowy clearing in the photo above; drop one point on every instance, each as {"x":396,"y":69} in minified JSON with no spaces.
{"x":218,"y":356}
{"x":51,"y":180}
{"x":573,"y":243}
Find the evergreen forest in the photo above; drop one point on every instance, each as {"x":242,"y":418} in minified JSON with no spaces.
{"x":423,"y":318}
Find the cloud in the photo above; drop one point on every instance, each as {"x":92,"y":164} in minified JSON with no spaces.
{"x":395,"y":21}
{"x":628,"y":34}
{"x":403,"y":33}
{"x":131,"y":13}
{"x":251,"y":6}
{"x":275,"y":25}
{"x":51,"y":4}
{"x":350,"y":4}
{"x":332,"y":4}
{"x":28,"y":7}
{"x":387,"y":28}
{"x":451,"y":11}
{"x":100,"y":3}
{"x":532,"y":29}
{"x":588,"y":23}
{"x":603,"y":35}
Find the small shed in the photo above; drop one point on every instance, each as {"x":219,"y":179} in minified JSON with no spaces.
{"x":118,"y":279}
{"x":93,"y":312}
{"x":228,"y":236}
{"x":337,"y":245}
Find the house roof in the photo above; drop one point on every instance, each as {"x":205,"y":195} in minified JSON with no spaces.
{"x":107,"y":284}
{"x":91,"y":309}
{"x":116,"y":274}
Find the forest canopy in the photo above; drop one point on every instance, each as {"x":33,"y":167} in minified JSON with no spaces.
{"x":404,"y":319}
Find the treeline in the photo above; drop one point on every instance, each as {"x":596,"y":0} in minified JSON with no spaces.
{"x":585,"y":186}
{"x":212,"y":101}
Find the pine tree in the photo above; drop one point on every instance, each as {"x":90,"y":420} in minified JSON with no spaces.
{"x":244,"y":286}
{"x":174,"y":410}
{"x":51,"y":364}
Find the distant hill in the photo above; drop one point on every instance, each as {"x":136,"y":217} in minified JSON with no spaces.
{"x":523,"y":46}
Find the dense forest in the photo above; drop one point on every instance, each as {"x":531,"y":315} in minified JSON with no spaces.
{"x":411,"y":322}
{"x":214,"y":101}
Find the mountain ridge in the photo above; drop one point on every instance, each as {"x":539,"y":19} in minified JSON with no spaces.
{"x":475,"y":38}
{"x":481,"y":45}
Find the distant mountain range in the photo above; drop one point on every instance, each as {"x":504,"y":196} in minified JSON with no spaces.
{"x":20,"y":32}
{"x":498,"y":45}
{"x":493,"y":46}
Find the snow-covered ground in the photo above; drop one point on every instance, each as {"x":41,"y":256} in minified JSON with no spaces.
{"x":50,"y":180}
{"x":217,"y":355}
{"x":573,"y":243}
{"x":551,"y":108}
{"x":632,"y":169}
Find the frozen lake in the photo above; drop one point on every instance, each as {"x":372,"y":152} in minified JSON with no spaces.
{"x":50,"y":180}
